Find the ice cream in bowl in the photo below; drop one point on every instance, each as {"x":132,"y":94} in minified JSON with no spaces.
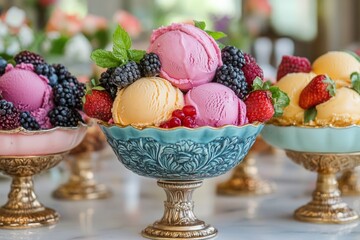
{"x":40,"y":121}
{"x":180,"y":112}
{"x":319,"y":127}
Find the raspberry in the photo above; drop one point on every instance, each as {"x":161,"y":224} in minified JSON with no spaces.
{"x":292,"y":64}
{"x":174,"y":122}
{"x":29,"y":57}
{"x":189,"y":122}
{"x":28,"y":122}
{"x":125,"y":75}
{"x":9,"y":116}
{"x":189,"y":110}
{"x":109,"y":86}
{"x":3,"y":64}
{"x":251,"y":71}
{"x":64,"y":117}
{"x":49,"y":72}
{"x":179,"y":114}
{"x":232,"y":56}
{"x":150,"y":65}
{"x":249,"y":58}
{"x":233,"y":78}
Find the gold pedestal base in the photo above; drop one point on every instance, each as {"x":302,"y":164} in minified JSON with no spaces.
{"x":326,"y":205}
{"x":349,"y":183}
{"x":23,"y":210}
{"x":245,"y":181}
{"x":81,"y":184}
{"x":179,"y":221}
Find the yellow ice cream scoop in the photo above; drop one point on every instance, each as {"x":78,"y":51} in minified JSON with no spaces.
{"x":147,"y":102}
{"x":341,"y":110}
{"x":292,"y":84}
{"x":337,"y":65}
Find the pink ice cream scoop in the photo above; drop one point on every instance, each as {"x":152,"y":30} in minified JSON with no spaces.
{"x":216,"y":105}
{"x":27,"y":91}
{"x":189,"y":56}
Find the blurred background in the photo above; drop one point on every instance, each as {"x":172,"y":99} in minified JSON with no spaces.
{"x":68,"y":30}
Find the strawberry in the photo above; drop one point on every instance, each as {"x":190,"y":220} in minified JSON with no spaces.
{"x":259,"y":106}
{"x":292,"y":64}
{"x":319,"y":90}
{"x":98,"y":104}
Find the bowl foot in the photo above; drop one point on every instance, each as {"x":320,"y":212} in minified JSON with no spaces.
{"x":349,"y":183}
{"x":179,"y":220}
{"x":245,"y":181}
{"x":21,"y":219}
{"x":159,"y":231}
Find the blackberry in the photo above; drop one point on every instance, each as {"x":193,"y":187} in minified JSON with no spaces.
{"x":9,"y":116}
{"x":125,"y":75}
{"x":29,"y":57}
{"x":69,"y":93}
{"x":150,"y":65}
{"x":233,"y":78}
{"x":49,"y":72}
{"x":232,"y":56}
{"x":3,"y":64}
{"x":109,"y":86}
{"x":28,"y":122}
{"x":64,"y":117}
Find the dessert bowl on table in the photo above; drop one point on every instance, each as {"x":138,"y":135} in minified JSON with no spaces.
{"x":319,"y":128}
{"x":39,"y":124}
{"x":181,"y":112}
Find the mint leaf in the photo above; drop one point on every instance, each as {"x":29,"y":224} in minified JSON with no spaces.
{"x":120,"y":54}
{"x":355,"y":81}
{"x":221,"y":45}
{"x":310,"y":114}
{"x":279,"y":98}
{"x":135,"y":55}
{"x":200,"y":24}
{"x":216,"y":35}
{"x":100,"y":88}
{"x":105,"y":59}
{"x":121,"y":39}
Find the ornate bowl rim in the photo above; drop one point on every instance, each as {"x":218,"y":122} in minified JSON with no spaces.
{"x":313,"y":127}
{"x":23,"y":131}
{"x":108,"y":125}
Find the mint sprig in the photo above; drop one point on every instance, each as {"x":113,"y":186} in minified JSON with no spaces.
{"x":121,"y":52}
{"x":279,"y":98}
{"x":215,"y":35}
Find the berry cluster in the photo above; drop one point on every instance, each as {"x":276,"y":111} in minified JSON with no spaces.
{"x":182,"y":117}
{"x":293,"y":64}
{"x":238,"y":71}
{"x":120,"y":77}
{"x":29,"y":57}
{"x":64,"y":117}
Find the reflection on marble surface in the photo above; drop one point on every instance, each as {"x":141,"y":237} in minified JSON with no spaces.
{"x":137,"y":201}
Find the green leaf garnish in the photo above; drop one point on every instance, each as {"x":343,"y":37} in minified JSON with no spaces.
{"x":105,"y":59}
{"x":279,"y":98}
{"x":216,"y":35}
{"x":136,"y":55}
{"x":99,"y":88}
{"x":331,"y":87}
{"x":355,"y":81}
{"x":121,"y":39}
{"x":200,"y":24}
{"x":310,"y":114}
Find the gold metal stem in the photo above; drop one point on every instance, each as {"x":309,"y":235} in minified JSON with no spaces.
{"x":349,"y":183}
{"x":179,"y":220}
{"x":245,"y":180}
{"x":81,"y":184}
{"x":22,"y":209}
{"x":326,"y":205}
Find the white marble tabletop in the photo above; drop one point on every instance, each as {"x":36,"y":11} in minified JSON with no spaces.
{"x":137,"y":202}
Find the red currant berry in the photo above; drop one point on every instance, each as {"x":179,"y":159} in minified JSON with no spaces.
{"x":189,"y":122}
{"x":189,"y":110}
{"x":174,"y":122}
{"x":179,"y":114}
{"x":165,"y":125}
